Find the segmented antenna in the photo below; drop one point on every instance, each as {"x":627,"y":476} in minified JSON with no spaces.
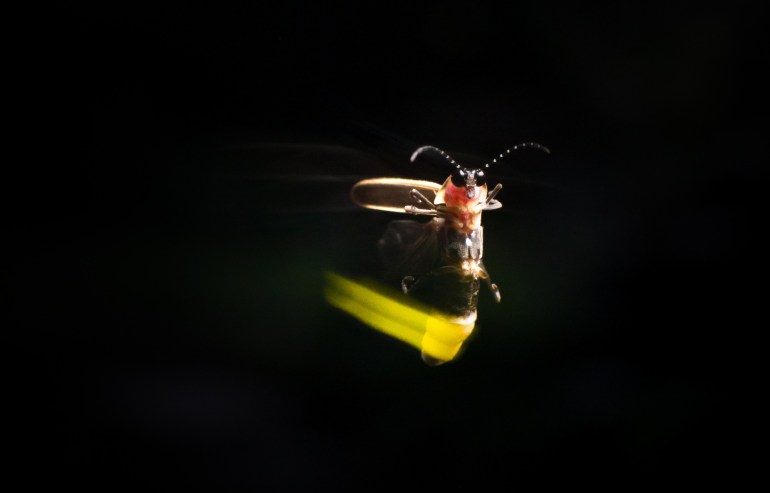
{"x":434,"y":149}
{"x":523,"y":145}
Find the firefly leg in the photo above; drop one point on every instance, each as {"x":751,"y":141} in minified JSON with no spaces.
{"x":407,"y":283}
{"x":420,"y":199}
{"x":492,"y":286}
{"x":491,"y":195}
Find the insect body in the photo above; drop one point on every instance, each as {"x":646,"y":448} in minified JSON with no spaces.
{"x":438,"y":262}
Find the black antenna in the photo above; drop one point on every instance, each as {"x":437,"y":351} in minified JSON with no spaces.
{"x":422,"y":149}
{"x":523,"y":145}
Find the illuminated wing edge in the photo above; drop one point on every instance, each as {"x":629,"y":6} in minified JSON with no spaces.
{"x":390,"y":194}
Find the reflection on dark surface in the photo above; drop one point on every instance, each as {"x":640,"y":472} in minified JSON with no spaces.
{"x":192,"y":186}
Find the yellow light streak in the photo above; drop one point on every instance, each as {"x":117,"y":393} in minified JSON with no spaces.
{"x":435,"y":334}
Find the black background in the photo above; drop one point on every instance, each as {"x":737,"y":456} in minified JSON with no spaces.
{"x":186,"y":188}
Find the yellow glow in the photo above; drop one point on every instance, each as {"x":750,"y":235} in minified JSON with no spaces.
{"x":435,"y":334}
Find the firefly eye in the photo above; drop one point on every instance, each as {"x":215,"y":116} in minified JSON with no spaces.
{"x":458,"y":177}
{"x":481,"y":178}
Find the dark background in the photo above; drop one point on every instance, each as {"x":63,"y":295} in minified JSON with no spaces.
{"x":186,"y":188}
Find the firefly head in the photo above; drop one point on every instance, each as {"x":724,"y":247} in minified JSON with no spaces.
{"x":469,"y":178}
